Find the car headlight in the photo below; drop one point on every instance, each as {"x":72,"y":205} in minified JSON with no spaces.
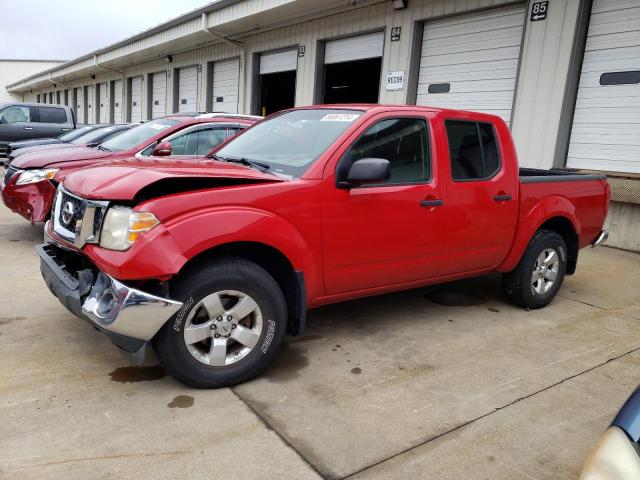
{"x":614,"y":457}
{"x":122,"y":226}
{"x":34,"y":176}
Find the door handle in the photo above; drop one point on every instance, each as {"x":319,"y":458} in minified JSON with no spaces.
{"x":28,"y":128}
{"x":431,"y":203}
{"x":502,"y":198}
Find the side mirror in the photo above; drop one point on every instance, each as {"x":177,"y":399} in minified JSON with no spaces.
{"x":162,"y":149}
{"x":366,"y":170}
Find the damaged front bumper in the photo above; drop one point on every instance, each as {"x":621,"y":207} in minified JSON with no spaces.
{"x":130,"y":317}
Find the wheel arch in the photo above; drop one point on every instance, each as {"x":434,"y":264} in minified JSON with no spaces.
{"x":555,"y":213}
{"x":277,"y":264}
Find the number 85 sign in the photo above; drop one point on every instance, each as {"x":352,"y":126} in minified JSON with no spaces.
{"x":539,"y":11}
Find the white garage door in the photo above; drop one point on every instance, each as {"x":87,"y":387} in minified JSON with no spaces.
{"x":91,"y":99}
{"x":136,"y":100}
{"x":470,"y":62}
{"x":80,"y":105}
{"x":188,"y":89}
{"x":354,"y":48}
{"x":226,"y":77}
{"x":606,"y":123}
{"x":159,"y":94}
{"x":103,"y":106}
{"x":117,"y":101}
{"x":282,"y":61}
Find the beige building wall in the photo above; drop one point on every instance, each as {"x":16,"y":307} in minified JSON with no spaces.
{"x":13,"y":70}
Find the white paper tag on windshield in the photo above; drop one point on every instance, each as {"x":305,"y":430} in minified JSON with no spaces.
{"x":158,"y":127}
{"x":339,"y":117}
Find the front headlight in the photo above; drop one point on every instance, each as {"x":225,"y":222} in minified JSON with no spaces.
{"x":122,"y":226}
{"x":615,"y":457}
{"x":34,"y":176}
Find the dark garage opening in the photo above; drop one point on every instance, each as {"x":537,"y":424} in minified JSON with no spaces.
{"x":277,"y":91}
{"x":357,"y":81}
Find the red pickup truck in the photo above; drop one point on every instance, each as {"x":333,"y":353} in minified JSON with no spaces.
{"x":212,"y":261}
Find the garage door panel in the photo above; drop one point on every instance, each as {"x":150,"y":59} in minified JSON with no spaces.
{"x":158,"y":94}
{"x":474,"y":58}
{"x":188,"y":89}
{"x":606,"y":116}
{"x":479,"y":41}
{"x":284,"y":61}
{"x":226,"y":79}
{"x":477,"y":54}
{"x":354,"y":48}
{"x":117,"y":101}
{"x":612,"y":61}
{"x":613,"y":5}
{"x":104,"y":103}
{"x":136,"y":99}
{"x":614,"y":41}
{"x":80,"y":105}
{"x":477,"y":22}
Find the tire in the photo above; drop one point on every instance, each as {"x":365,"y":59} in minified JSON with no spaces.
{"x":206,"y":292}
{"x":528,"y":285}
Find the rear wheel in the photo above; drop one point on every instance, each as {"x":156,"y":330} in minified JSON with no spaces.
{"x":230,"y":326}
{"x":539,"y":275}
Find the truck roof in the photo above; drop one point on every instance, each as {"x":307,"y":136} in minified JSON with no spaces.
{"x":378,"y":108}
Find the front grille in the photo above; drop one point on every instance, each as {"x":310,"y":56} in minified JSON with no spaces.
{"x":70,"y":213}
{"x":8,"y":173}
{"x":69,"y":209}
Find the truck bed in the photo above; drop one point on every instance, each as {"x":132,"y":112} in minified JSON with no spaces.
{"x":584,"y":193}
{"x":536,"y":175}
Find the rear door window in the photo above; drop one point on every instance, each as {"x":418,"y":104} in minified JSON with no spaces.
{"x":52,"y":115}
{"x":472,"y":149}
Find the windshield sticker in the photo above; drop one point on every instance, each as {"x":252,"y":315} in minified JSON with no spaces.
{"x":155,"y":126}
{"x":339,"y":117}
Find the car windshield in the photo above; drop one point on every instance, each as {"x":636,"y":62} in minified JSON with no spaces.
{"x":92,"y":135}
{"x":138,"y":135}
{"x":291,"y":142}
{"x":73,"y":134}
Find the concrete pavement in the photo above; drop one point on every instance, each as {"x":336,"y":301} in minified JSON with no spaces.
{"x":396,"y":386}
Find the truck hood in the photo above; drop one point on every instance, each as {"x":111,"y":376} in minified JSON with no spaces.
{"x":142,"y":179}
{"x":49,"y":157}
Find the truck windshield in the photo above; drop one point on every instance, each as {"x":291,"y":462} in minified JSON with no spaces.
{"x":138,"y":135}
{"x":291,"y":142}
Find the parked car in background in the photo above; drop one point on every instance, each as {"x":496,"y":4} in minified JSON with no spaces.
{"x":30,"y":180}
{"x":211,"y":260}
{"x":91,"y":138}
{"x":24,"y":121}
{"x":63,"y":138}
{"x":617,"y":455}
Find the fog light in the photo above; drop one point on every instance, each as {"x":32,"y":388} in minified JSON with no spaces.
{"x":106,"y":303}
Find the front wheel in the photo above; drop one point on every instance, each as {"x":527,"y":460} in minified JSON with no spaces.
{"x":230,"y":326}
{"x":539,"y":275}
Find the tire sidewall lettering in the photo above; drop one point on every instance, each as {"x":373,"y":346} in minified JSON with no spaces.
{"x":179,"y":319}
{"x":271,"y":330}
